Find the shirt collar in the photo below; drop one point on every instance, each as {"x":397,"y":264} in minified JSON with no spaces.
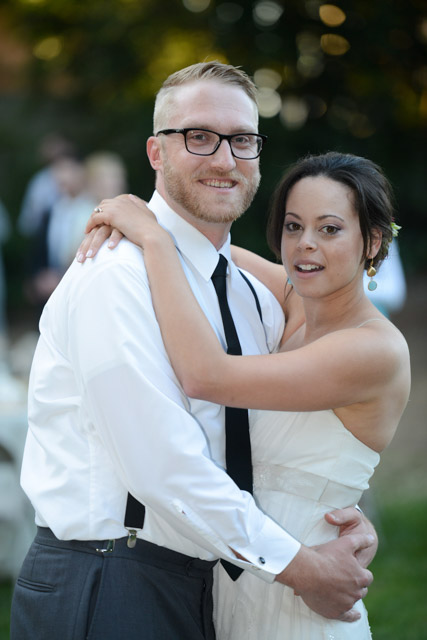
{"x":191,"y":243}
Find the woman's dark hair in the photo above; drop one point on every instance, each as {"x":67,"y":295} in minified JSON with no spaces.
{"x":373,"y":196}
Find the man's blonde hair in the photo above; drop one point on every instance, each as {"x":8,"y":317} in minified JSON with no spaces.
{"x":214,"y":70}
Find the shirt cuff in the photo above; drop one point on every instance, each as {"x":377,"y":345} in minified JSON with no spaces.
{"x":270,"y":553}
{"x":267,"y":555}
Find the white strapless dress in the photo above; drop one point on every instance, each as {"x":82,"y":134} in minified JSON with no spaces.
{"x":305,"y":464}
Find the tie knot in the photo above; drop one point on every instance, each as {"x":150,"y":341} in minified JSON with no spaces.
{"x":221,"y":267}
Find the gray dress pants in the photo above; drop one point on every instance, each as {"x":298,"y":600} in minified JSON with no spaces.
{"x":67,"y":590}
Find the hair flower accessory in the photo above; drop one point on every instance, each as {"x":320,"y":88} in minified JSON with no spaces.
{"x":395,"y":229}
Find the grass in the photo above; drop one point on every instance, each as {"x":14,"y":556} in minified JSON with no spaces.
{"x":5,"y":596}
{"x":397,"y":599}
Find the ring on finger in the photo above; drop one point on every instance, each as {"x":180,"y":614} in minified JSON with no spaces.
{"x":98,"y":210}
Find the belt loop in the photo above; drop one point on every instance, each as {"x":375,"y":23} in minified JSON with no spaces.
{"x":109,"y":548}
{"x":188,"y":567}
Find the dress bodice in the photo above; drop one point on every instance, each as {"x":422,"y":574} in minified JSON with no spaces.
{"x":314,"y":442}
{"x":305,"y":464}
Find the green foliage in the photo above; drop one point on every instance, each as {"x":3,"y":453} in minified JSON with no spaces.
{"x":91,"y":69}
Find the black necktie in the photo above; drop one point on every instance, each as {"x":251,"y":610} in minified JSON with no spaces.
{"x":237,"y":441}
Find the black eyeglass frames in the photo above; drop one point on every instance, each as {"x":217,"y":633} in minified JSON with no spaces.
{"x":204,"y":142}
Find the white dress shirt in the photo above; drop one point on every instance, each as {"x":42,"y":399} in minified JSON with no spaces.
{"x":107,"y":414}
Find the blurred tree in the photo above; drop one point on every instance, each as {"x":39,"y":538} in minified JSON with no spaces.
{"x":350,"y":76}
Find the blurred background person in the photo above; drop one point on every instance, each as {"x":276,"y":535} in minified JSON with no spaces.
{"x":43,"y":190}
{"x":49,"y":254}
{"x":106,"y":176}
{"x":67,"y":215}
{"x":81,"y":184}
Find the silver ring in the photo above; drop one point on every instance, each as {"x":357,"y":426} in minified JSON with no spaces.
{"x":98,"y":210}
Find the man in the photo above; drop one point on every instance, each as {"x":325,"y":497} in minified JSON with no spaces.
{"x":107,"y":415}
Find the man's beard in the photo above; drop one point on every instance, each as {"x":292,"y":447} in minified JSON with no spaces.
{"x":183,"y":195}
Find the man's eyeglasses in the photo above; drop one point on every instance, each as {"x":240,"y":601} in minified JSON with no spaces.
{"x":204,"y":142}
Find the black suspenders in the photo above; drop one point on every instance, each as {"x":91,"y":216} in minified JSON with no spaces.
{"x":252,"y":288}
{"x":135,"y":511}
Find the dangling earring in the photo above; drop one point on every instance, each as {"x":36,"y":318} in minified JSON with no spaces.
{"x":372,"y":285}
{"x":288,"y":288}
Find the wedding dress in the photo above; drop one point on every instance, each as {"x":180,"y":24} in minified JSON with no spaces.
{"x":305,"y":464}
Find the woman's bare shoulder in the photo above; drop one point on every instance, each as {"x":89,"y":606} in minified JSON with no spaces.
{"x":373,"y":343}
{"x":391,"y":336}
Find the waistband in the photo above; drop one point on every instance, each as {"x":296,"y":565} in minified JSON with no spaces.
{"x":305,"y":484}
{"x":143,"y":551}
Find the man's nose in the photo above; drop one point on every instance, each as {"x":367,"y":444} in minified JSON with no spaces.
{"x":223,"y":158}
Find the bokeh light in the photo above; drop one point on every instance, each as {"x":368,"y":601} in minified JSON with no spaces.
{"x":316,"y":105}
{"x":334,"y":45}
{"x":294,"y":112}
{"x":48,"y":48}
{"x":196,"y":6}
{"x":267,"y":78}
{"x":331,"y":15}
{"x":229,"y":12}
{"x":310,"y":61}
{"x":267,"y":13}
{"x":269,"y":103}
{"x":422,"y":30}
{"x":308,"y":42}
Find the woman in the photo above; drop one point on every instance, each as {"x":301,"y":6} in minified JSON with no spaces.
{"x":324,"y":406}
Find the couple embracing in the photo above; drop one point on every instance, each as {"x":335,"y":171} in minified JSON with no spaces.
{"x":147,"y":363}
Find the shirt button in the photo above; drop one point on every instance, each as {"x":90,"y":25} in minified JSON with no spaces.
{"x":261,"y":560}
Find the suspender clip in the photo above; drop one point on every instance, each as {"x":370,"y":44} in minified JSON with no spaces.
{"x":131,"y":542}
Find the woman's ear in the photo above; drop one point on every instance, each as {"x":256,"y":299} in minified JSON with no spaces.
{"x":375,"y":243}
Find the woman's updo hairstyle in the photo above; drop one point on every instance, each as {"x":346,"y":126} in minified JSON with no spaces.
{"x":373,"y":196}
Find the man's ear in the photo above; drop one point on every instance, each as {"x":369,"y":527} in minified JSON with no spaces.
{"x":154,"y":152}
{"x":375,"y":243}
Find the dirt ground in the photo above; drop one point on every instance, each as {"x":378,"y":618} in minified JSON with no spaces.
{"x":402,"y":473}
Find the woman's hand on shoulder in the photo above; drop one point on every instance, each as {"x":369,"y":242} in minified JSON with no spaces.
{"x":126,"y":215}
